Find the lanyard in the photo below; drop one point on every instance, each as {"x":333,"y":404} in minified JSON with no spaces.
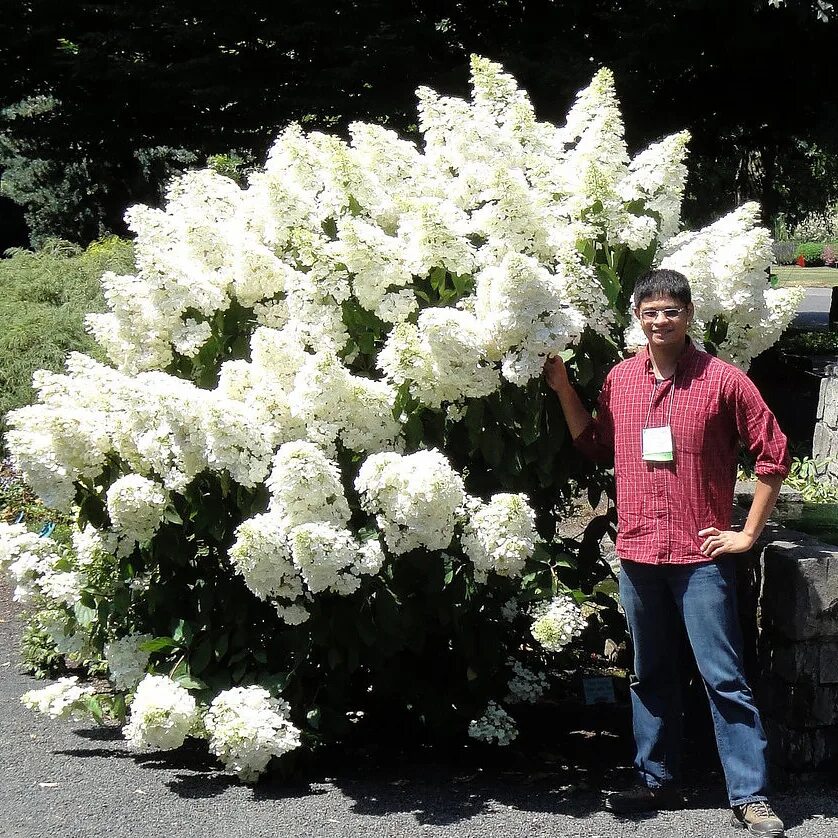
{"x":652,"y":401}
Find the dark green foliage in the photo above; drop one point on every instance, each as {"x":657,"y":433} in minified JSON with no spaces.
{"x":106,"y":100}
{"x":44,"y":296}
{"x":809,"y":343}
{"x":39,"y":654}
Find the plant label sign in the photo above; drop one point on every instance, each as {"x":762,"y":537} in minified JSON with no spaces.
{"x":598,"y":690}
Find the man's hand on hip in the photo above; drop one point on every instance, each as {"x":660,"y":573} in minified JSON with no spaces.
{"x":718,"y":542}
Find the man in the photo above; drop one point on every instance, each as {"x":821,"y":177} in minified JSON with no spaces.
{"x":672,"y":418}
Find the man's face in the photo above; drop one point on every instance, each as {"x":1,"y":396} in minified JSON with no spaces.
{"x":660,"y":323}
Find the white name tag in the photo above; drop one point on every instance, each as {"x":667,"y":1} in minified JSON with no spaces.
{"x":657,"y":444}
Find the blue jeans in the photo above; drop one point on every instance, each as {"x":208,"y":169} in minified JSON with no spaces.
{"x":655,"y":598}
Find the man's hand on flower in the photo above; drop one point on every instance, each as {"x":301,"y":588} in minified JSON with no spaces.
{"x":555,"y":372}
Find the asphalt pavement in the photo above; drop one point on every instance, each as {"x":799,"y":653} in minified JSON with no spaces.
{"x":72,"y":780}
{"x":813,"y":312}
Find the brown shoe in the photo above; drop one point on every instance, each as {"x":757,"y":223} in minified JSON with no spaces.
{"x":644,"y":799}
{"x":758,"y":818}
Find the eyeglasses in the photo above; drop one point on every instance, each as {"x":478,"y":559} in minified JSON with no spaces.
{"x":651,"y":314}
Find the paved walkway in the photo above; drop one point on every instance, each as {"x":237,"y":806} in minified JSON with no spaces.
{"x":67,"y":781}
{"x":813,"y":312}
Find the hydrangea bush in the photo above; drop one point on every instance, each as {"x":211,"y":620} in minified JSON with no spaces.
{"x":322,"y":461}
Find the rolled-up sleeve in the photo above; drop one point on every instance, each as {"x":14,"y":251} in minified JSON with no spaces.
{"x":758,"y":429}
{"x":597,"y":440}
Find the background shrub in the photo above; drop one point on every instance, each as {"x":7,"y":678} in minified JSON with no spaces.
{"x":812,"y":252}
{"x":44,"y":296}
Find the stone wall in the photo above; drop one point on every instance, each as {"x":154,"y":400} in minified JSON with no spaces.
{"x":825,"y":439}
{"x":797,"y":684}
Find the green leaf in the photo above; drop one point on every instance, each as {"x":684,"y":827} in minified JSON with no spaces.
{"x":274,"y":683}
{"x":366,"y":631}
{"x":610,"y":283}
{"x":200,"y":656}
{"x":183,"y":632}
{"x":462,"y":284}
{"x":313,"y":718}
{"x":92,"y":510}
{"x":118,"y":707}
{"x":95,"y":708}
{"x":492,"y":446}
{"x":437,"y":277}
{"x":354,"y":208}
{"x":584,"y":370}
{"x":158,"y":644}
{"x":188,"y":682}
{"x":222,"y":643}
{"x":85,"y":615}
{"x":170,"y":514}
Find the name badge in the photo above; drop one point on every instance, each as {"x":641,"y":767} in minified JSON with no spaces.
{"x":657,"y":444}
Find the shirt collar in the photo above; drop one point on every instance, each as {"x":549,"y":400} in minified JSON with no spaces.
{"x":685,"y":360}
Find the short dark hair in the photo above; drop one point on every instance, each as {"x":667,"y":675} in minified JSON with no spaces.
{"x":662,"y":282}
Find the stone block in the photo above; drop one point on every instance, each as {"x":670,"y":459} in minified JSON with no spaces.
{"x":792,"y":662}
{"x":799,"y":594}
{"x":821,"y":442}
{"x":821,"y":399}
{"x":800,"y":750}
{"x":828,"y":663}
{"x":824,"y":709}
{"x":829,"y":394}
{"x":802,"y":706}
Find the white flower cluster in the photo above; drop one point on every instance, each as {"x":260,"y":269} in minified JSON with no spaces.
{"x":493,"y":202}
{"x":246,"y":727}
{"x":163,"y":714}
{"x":336,"y":405}
{"x":305,"y":487}
{"x":494,"y":726}
{"x":727,"y":265}
{"x":499,"y":535}
{"x":126,"y":661}
{"x":344,"y":277}
{"x":64,"y":699}
{"x":557,"y":622}
{"x":301,"y":546}
{"x":38,"y":566}
{"x":442,"y":357}
{"x":91,"y":546}
{"x":54,"y":622}
{"x":416,"y":499}
{"x":525,"y":686}
{"x":136,"y":506}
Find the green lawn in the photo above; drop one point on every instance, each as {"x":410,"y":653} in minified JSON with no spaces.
{"x":805,"y":277}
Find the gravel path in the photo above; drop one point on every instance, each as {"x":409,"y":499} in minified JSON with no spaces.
{"x":78,"y":783}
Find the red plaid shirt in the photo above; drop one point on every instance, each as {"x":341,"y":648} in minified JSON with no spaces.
{"x":662,"y":506}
